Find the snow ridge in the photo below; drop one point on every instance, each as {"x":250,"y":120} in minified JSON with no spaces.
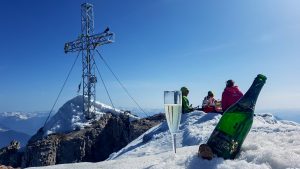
{"x":71,"y":117}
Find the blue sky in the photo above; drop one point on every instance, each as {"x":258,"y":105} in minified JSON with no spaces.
{"x":159,"y":45}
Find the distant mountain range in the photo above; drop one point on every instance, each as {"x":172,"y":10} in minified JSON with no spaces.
{"x":19,"y":126}
{"x":2,"y":127}
{"x":24,"y":122}
{"x":284,"y":114}
{"x":6,"y":136}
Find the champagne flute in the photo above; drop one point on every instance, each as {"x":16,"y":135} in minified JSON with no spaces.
{"x":173,"y":108}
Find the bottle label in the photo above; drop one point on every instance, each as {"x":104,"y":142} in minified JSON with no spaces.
{"x":223,"y":145}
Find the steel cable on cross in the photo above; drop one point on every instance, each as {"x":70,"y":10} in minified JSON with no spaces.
{"x":105,"y":86}
{"x":62,"y":88}
{"x":121,"y":84}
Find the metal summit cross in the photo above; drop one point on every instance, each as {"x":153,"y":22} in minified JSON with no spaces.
{"x":86,"y":43}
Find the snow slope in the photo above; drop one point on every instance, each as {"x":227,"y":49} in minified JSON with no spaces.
{"x":271,"y":143}
{"x":71,"y":117}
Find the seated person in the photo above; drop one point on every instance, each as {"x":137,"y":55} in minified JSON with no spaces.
{"x":208,"y":104}
{"x":186,"y":108}
{"x":230,"y":95}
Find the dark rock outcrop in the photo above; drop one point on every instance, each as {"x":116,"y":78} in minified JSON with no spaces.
{"x":139,"y":127}
{"x":10,"y":156}
{"x":91,"y":144}
{"x":41,"y":152}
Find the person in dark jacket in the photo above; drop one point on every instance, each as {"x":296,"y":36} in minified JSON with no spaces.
{"x":230,"y":95}
{"x":186,"y":107}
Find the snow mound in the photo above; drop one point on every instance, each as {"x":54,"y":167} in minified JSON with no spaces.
{"x":271,"y":143}
{"x":71,"y":117}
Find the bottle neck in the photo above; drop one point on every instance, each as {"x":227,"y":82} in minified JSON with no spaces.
{"x":250,"y":97}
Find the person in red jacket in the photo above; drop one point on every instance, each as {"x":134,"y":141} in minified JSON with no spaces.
{"x":230,"y":95}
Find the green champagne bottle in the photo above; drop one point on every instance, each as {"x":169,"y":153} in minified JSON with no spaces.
{"x":233,"y":127}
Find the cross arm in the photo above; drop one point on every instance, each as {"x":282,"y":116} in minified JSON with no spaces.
{"x":73,"y":46}
{"x":101,"y":39}
{"x":89,"y":42}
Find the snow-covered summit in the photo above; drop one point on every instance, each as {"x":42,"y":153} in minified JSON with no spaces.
{"x":271,"y":143}
{"x":71,"y":117}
